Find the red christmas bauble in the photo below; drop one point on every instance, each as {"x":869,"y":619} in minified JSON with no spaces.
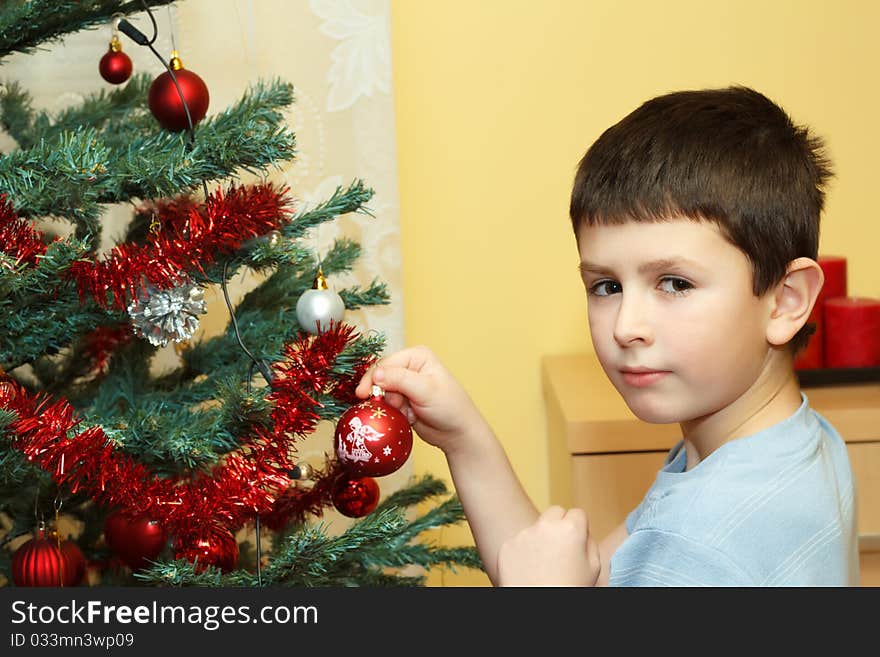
{"x":355,"y":497}
{"x":115,"y":66}
{"x":165,"y":102}
{"x":373,"y":438}
{"x":135,"y":539}
{"x":75,"y":560}
{"x":213,"y":547}
{"x":39,"y":562}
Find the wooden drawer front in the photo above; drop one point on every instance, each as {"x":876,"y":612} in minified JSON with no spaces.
{"x":865,"y":461}
{"x":609,"y":486}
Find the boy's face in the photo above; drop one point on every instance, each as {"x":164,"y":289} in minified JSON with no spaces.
{"x":672,"y":316}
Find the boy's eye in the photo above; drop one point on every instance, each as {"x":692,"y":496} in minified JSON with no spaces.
{"x":604,"y":288}
{"x":675,"y":285}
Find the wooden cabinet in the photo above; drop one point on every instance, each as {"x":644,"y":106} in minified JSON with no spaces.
{"x":603,"y":459}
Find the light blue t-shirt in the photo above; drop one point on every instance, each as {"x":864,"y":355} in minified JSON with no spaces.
{"x":777,"y":508}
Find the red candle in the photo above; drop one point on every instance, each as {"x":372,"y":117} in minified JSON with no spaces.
{"x":834,"y":268}
{"x":852,"y":332}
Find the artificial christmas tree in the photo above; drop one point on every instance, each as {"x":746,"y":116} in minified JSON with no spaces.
{"x":163,"y":473}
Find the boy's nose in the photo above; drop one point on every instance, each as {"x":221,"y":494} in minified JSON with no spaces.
{"x":632,"y":325}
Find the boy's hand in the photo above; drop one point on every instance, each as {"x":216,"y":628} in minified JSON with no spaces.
{"x":418,"y":384}
{"x":556,"y":551}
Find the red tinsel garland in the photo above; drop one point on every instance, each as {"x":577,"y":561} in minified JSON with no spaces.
{"x":100,"y":343}
{"x":192,"y":236}
{"x":296,"y":503}
{"x":246,"y":483}
{"x":18,"y":238}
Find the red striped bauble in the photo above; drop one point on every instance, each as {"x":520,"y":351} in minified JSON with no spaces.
{"x":39,"y":562}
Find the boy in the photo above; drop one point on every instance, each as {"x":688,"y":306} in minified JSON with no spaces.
{"x":697,"y":224}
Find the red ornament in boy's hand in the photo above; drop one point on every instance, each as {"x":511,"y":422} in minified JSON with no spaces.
{"x":373,"y":438}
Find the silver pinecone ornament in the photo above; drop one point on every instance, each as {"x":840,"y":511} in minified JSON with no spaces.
{"x":172,"y":314}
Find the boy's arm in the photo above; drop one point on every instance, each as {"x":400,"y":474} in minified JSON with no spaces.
{"x":607,"y":548}
{"x":494,"y":501}
{"x":443,"y":415}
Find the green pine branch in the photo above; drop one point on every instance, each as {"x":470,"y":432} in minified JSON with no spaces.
{"x":371,"y":552}
{"x":42,"y":311}
{"x":118,"y":106}
{"x":375,"y":295}
{"x":353,"y":199}
{"x":71,"y":173}
{"x":19,"y":282}
{"x":17,"y":113}
{"x":46,"y":327}
{"x":57,"y":177}
{"x":246,"y":137}
{"x":175,"y":426}
{"x":282,"y":250}
{"x":109,"y":111}
{"x":26,"y":25}
{"x":416,"y":492}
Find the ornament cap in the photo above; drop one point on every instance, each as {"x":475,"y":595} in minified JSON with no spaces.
{"x":320,"y":282}
{"x":301,"y":471}
{"x":175,"y":62}
{"x":377,"y":391}
{"x":43,"y":532}
{"x":115,"y":44}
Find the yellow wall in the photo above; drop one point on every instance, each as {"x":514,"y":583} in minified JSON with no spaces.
{"x":496,"y":100}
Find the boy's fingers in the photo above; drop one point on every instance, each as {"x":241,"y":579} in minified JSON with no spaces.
{"x":553,"y":513}
{"x":395,"y":399}
{"x":411,"y":358}
{"x":410,"y":416}
{"x":399,"y":379}
{"x":578,"y":518}
{"x":595,"y":561}
{"x":364,"y":385}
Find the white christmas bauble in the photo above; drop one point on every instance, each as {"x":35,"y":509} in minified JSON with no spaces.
{"x":318,"y":307}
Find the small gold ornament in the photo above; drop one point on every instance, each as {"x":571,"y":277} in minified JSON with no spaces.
{"x":301,"y":472}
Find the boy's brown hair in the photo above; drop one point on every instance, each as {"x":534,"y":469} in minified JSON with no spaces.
{"x":730,"y":156}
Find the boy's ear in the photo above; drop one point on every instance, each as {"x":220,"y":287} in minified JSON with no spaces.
{"x":793,"y":299}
